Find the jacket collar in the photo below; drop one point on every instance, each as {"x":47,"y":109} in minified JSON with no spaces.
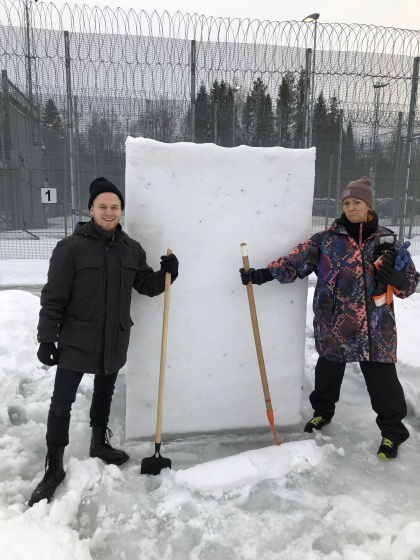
{"x":90,"y":229}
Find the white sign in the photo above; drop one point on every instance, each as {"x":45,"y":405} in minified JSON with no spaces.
{"x":49,"y":196}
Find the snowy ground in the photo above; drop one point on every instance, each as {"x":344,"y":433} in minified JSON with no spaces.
{"x":324,"y":497}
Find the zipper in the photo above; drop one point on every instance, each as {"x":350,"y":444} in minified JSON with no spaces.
{"x":366,"y":302}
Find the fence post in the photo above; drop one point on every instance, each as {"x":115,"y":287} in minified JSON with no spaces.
{"x":29,"y":70}
{"x":305,"y":124}
{"x":70,"y":126}
{"x":409,"y":143}
{"x":77,"y":160}
{"x":415,"y":198}
{"x":192,"y":94}
{"x":279,"y":124}
{"x":215,"y":122}
{"x":7,"y":136}
{"x":397,"y":171}
{"x":340,"y":152}
{"x":327,"y":211}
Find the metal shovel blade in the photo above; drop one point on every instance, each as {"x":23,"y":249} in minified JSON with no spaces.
{"x":154,"y":464}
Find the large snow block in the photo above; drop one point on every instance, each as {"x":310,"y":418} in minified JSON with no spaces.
{"x":203,"y":201}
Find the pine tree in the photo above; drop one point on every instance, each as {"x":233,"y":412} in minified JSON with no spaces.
{"x":222,"y":99}
{"x":51,"y":118}
{"x":202,"y":116}
{"x":349,"y":161}
{"x":286,"y":109}
{"x":258,"y":118}
{"x":320,"y":124}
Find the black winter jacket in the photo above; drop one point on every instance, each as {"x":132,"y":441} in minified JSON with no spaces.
{"x":85,"y":304}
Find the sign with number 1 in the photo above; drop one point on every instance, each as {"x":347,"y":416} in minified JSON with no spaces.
{"x":48,"y":196}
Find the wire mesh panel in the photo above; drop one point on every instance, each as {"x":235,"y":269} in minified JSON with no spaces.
{"x":67,"y":108}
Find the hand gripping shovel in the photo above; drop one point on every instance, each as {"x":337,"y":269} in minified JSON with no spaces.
{"x":154,"y":464}
{"x":253,"y":311}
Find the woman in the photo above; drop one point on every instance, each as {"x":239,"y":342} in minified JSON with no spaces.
{"x":353,"y":321}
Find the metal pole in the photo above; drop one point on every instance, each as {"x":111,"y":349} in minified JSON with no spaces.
{"x":340,"y":152}
{"x":327,"y":212}
{"x":29,"y":71}
{"x":414,"y":202}
{"x":397,"y":170}
{"x":193,"y":67}
{"x":215,"y":122}
{"x":409,"y":143}
{"x":375,"y":149}
{"x":279,"y":125}
{"x":233,"y":122}
{"x":311,"y":120}
{"x":305,"y":132}
{"x":77,"y":158}
{"x":70,"y":126}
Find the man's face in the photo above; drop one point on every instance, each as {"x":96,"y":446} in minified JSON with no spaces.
{"x":106,"y":211}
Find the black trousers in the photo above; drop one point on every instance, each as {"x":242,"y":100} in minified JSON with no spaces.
{"x":384,"y":388}
{"x":64,"y":395}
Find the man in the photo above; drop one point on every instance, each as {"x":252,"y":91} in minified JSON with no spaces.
{"x":85,"y":309}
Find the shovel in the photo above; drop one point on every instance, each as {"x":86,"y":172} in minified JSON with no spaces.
{"x":258,"y":346}
{"x":154,"y":464}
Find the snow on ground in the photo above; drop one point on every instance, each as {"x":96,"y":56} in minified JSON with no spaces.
{"x":228,"y":496}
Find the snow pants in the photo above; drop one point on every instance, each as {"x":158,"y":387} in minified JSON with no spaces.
{"x":384,"y":388}
{"x":64,"y":395}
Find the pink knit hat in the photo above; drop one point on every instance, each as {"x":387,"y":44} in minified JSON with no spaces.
{"x":360,"y":188}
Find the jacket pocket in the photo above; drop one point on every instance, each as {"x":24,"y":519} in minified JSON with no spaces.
{"x":124,"y":331}
{"x":79,"y":337}
{"x":90,"y":274}
{"x":128,"y":272}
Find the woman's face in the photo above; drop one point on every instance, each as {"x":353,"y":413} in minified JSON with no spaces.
{"x":356,"y":210}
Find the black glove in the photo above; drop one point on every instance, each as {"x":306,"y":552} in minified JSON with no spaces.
{"x":380,"y":288}
{"x":259,"y":276}
{"x":388,"y":275}
{"x":48,"y":353}
{"x":169,"y":263}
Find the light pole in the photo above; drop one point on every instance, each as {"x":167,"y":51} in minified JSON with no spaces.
{"x":309,"y":19}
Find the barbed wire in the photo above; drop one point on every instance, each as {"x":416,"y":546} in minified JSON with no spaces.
{"x":77,"y":81}
{"x":135,"y":56}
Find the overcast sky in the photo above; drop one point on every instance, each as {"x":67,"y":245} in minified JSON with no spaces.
{"x":389,"y":13}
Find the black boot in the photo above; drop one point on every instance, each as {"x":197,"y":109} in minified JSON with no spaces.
{"x":54,"y":474}
{"x":101,"y":448}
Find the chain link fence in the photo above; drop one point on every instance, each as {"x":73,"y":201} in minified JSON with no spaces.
{"x":77,"y":81}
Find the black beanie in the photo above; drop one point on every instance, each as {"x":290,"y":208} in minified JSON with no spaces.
{"x":101,"y":185}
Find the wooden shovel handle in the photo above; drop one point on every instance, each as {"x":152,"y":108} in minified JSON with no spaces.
{"x":258,"y":346}
{"x":163,"y":354}
{"x":255,"y":328}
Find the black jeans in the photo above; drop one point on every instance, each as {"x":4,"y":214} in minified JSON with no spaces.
{"x":384,"y":388}
{"x":64,"y":395}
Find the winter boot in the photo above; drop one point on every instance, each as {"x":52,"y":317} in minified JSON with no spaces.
{"x":388,"y":449}
{"x":54,"y":474}
{"x":316,"y":422}
{"x":100,"y":447}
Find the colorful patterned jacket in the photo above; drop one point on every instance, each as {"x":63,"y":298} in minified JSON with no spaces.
{"x":348,"y":326}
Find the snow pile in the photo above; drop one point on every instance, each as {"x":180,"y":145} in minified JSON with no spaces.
{"x":18,"y":347}
{"x":251,"y":467}
{"x":228,"y":495}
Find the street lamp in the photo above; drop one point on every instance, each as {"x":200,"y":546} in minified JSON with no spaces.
{"x":309,"y":19}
